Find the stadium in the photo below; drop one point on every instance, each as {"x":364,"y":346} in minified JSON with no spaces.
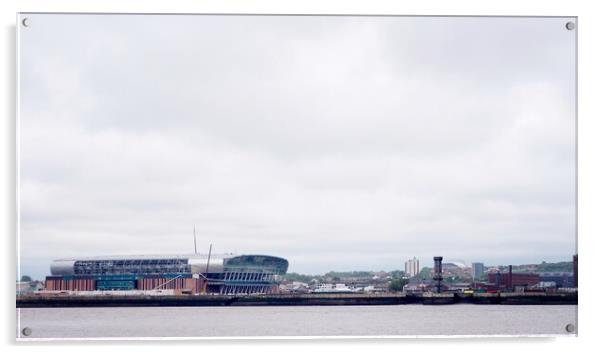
{"x":190,"y":274}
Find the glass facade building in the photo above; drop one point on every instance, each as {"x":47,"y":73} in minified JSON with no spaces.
{"x":218,"y":274}
{"x":478,"y":270}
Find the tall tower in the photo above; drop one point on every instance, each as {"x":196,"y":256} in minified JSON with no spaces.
{"x":510,"y":284}
{"x":438,"y":277}
{"x":412,"y":267}
{"x":478,"y":269}
{"x":575,"y":282}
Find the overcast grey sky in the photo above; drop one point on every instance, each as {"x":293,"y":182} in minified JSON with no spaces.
{"x":339,"y":143}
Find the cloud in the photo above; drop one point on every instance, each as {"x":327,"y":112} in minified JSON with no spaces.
{"x":336,"y":142}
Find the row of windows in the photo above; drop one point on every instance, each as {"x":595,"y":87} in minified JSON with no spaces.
{"x":177,"y":266}
{"x":132,"y":266}
{"x":248,"y":277}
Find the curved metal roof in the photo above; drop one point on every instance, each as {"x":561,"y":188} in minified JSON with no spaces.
{"x":149,"y":256}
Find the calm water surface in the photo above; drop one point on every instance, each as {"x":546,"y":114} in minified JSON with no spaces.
{"x":297,"y":321}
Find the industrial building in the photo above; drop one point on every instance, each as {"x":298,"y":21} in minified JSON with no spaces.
{"x":559,"y":279}
{"x":510,"y":280}
{"x":194,"y":274}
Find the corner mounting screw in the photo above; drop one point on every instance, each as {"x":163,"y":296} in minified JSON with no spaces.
{"x":570,"y":25}
{"x":570,"y":328}
{"x":26,"y":331}
{"x":25,"y":22}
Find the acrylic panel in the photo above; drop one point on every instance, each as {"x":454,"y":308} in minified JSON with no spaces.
{"x":295,"y":176}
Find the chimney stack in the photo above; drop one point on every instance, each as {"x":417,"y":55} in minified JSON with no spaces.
{"x":498,"y":280}
{"x":510,"y":285}
{"x":575,"y":282}
{"x":438,"y":270}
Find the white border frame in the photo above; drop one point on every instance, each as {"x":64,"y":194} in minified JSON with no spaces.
{"x":590,"y":127}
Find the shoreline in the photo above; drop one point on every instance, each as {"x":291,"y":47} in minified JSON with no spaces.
{"x":45,"y":301}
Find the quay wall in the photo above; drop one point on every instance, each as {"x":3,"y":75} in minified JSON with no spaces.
{"x":31,"y":301}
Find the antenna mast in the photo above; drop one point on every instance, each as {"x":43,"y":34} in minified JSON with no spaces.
{"x":194,"y":232}
{"x":208,"y":259}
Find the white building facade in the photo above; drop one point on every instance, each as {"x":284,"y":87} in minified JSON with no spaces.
{"x":412,"y":267}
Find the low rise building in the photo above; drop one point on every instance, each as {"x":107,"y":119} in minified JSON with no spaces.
{"x":560,"y":279}
{"x":509,"y":280}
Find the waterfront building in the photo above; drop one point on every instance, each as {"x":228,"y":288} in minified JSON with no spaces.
{"x":509,"y":280}
{"x":412,"y":267}
{"x":478,"y":269}
{"x":560,"y":279}
{"x":194,"y":274}
{"x":28,"y":287}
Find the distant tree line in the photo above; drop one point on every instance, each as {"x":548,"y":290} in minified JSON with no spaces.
{"x":338,"y":276}
{"x":555,"y":267}
{"x":352,"y":274}
{"x":397,"y":284}
{"x":398,"y":277}
{"x":303,"y":278}
{"x":425,"y":273}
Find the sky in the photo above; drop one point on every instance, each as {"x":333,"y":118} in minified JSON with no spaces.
{"x":338,"y":143}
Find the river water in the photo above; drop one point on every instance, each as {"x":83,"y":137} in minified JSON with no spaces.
{"x":400,"y":320}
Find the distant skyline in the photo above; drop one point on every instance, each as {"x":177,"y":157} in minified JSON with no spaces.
{"x":338,"y":143}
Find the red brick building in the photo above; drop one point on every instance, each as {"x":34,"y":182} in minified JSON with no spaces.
{"x":517,"y":279}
